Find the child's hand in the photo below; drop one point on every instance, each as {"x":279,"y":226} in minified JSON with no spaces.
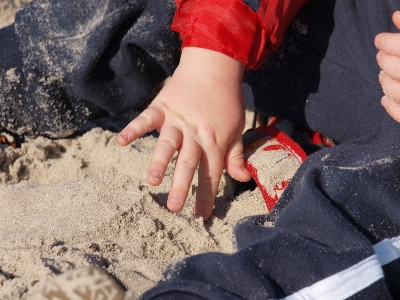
{"x":389,"y":61}
{"x":200,"y":113}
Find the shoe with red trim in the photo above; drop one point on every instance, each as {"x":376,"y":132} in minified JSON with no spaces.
{"x":273,"y":154}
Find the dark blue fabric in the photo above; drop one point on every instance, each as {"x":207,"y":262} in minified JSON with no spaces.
{"x":254,"y":4}
{"x":82,"y":60}
{"x":325,"y":73}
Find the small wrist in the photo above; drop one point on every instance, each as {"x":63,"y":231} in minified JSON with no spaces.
{"x":208,"y":60}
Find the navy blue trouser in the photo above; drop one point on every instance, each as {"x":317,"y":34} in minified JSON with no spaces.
{"x":337,"y":226}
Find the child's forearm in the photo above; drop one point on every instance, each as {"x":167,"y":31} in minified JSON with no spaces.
{"x":203,"y":60}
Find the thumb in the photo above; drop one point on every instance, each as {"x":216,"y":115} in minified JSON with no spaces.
{"x":234,"y":159}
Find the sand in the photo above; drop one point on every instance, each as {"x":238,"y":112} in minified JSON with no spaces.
{"x":84,"y":201}
{"x":8,"y":9}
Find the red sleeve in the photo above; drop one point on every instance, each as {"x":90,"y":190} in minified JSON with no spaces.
{"x":233,"y":28}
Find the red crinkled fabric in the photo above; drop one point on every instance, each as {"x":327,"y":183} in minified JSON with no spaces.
{"x":233,"y":28}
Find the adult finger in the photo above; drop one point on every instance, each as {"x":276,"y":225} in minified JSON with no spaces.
{"x":389,"y":63}
{"x":186,"y":164}
{"x":147,"y":121}
{"x":234,"y":160}
{"x":168,"y":142}
{"x":209,"y":176}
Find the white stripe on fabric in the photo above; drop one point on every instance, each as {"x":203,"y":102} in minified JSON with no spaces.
{"x":354,"y":279}
{"x":388,"y":250}
{"x":343,"y":284}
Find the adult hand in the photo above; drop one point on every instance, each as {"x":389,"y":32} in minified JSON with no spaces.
{"x":388,"y":59}
{"x":200,"y":114}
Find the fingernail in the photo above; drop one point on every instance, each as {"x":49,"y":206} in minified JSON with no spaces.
{"x":199,"y":214}
{"x":176,"y":201}
{"x":156,"y":175}
{"x":124,"y":136}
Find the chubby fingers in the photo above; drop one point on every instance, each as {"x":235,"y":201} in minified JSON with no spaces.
{"x":209,"y":176}
{"x":391,"y":100}
{"x":390,"y":63}
{"x":388,"y":44}
{"x":168,"y":142}
{"x":392,"y":107}
{"x":234,"y":160}
{"x":186,"y":164}
{"x":396,"y":19}
{"x":147,"y":121}
{"x":390,"y":86}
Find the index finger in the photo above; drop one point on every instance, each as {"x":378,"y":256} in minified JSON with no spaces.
{"x":148,"y":120}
